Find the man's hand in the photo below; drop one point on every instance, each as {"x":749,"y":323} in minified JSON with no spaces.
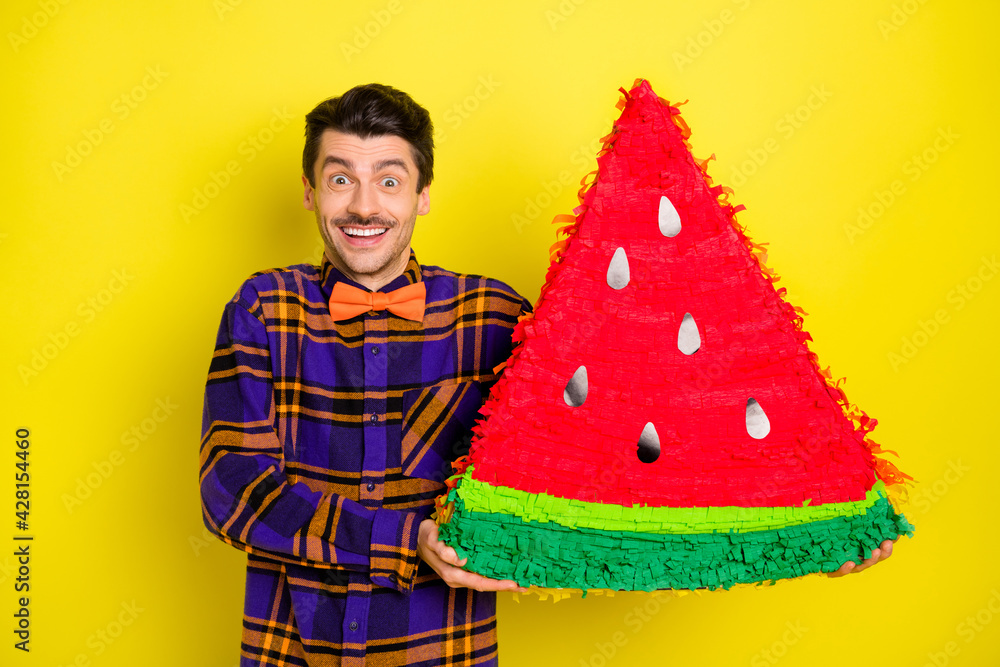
{"x":445,"y":562}
{"x":878,"y":555}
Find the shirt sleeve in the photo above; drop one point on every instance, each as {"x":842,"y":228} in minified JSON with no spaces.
{"x":247,"y":500}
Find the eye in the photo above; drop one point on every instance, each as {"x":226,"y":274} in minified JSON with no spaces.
{"x":390,"y":181}
{"x":339,"y":179}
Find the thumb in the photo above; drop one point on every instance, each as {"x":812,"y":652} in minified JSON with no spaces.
{"x":432,"y":532}
{"x":446,"y":553}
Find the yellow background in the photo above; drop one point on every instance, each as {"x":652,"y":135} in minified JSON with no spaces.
{"x":520,"y":92}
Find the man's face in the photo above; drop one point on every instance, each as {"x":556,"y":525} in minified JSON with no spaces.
{"x":366,"y":204}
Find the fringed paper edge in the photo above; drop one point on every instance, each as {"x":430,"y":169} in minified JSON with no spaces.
{"x":501,"y":546}
{"x":560,"y":594}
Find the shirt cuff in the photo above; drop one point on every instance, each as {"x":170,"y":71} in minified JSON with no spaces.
{"x":393,"y":555}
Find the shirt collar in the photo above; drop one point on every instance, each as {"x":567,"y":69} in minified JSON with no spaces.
{"x":331,"y":275}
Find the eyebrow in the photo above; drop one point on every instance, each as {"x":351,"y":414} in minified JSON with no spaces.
{"x":378,"y":166}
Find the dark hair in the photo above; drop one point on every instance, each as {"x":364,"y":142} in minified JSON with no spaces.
{"x":372,"y":110}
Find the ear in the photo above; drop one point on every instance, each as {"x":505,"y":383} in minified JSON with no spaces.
{"x":308,"y":199}
{"x":424,"y":201}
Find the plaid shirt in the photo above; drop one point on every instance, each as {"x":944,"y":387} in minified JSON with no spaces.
{"x":323,"y":447}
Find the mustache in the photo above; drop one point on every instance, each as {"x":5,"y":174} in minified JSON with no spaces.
{"x":358,"y":221}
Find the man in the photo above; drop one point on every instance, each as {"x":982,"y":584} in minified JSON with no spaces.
{"x":337,"y":397}
{"x":329,"y":426}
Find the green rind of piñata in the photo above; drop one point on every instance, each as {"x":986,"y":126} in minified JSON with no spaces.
{"x":541,"y":507}
{"x":502,"y":546}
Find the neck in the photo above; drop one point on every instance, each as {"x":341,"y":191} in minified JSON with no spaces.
{"x":373,"y":281}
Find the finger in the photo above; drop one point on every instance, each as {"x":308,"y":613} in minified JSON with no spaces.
{"x":445,"y":556}
{"x":444,"y":560}
{"x":448,"y":554}
{"x":878,"y":555}
{"x":459,"y":578}
{"x":871,"y":560}
{"x":480,"y":583}
{"x":887,"y":548}
{"x":456,"y":577}
{"x":442,"y":550}
{"x":846,"y":568}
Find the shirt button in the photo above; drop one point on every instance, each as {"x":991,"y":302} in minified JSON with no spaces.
{"x":371,"y":486}
{"x":374,"y":350}
{"x":374,"y":418}
{"x":354,"y":626}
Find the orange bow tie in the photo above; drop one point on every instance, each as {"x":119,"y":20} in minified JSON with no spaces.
{"x":407,"y":302}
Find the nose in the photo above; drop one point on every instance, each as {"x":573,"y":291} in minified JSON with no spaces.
{"x":364,"y":202}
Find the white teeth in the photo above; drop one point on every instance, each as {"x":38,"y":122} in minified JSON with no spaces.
{"x":364,"y":231}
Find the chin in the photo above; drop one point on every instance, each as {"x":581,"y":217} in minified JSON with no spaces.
{"x":365,"y":265}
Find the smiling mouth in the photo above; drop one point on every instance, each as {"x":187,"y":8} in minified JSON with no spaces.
{"x":362,"y":232}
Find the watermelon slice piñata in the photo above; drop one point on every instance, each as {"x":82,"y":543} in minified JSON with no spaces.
{"x":661,"y":422}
